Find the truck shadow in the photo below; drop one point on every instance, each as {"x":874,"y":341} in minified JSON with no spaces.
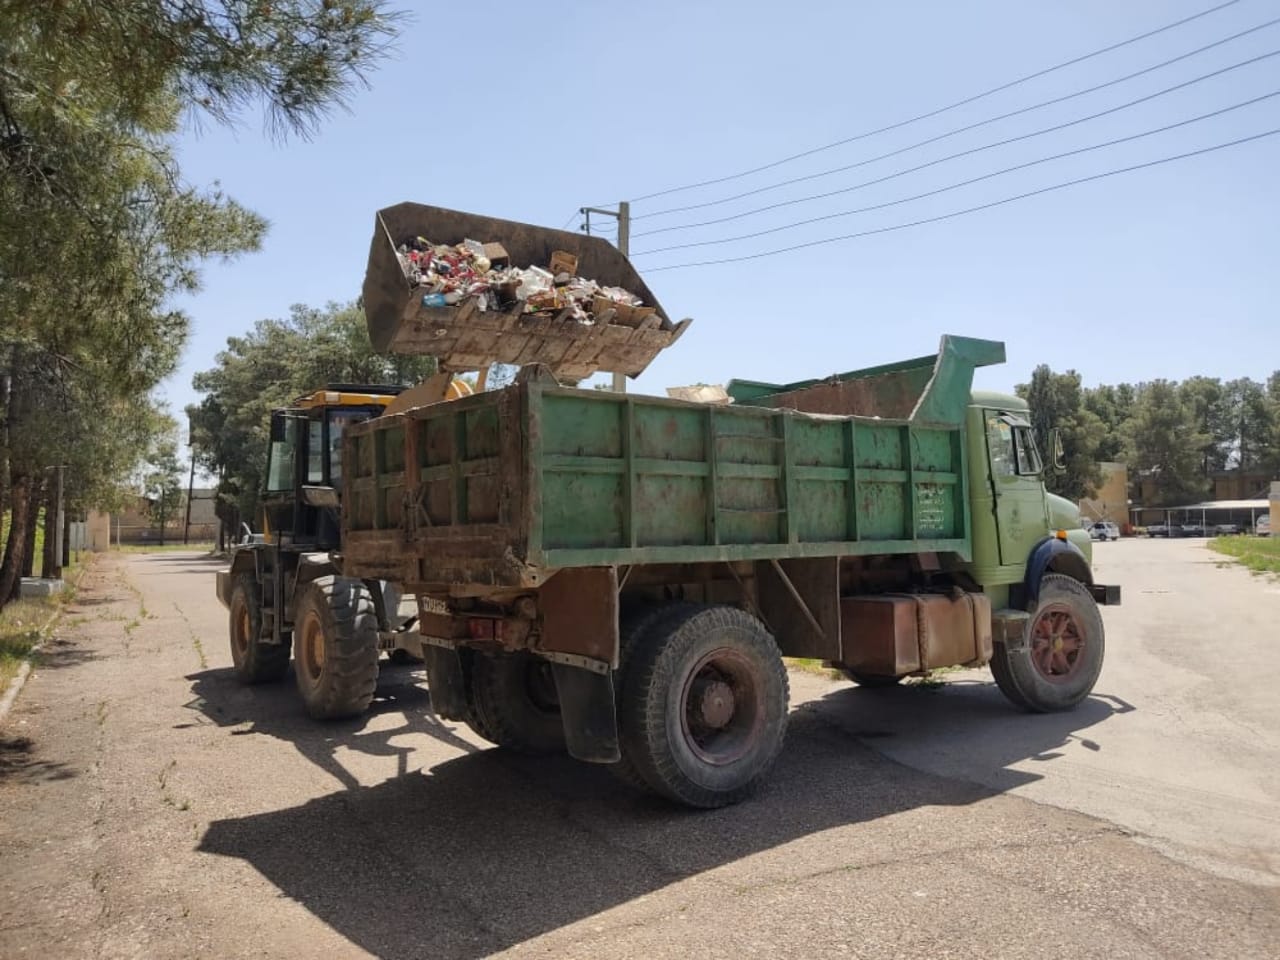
{"x":220,"y":698}
{"x":488,"y":850}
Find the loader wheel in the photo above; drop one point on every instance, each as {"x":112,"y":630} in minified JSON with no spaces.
{"x":515,"y":703}
{"x":704,"y":707}
{"x":1062,"y":657}
{"x":871,"y":681}
{"x":335,"y":639}
{"x":254,"y":660}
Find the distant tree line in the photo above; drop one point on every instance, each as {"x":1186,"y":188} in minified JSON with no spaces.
{"x":1175,"y":434}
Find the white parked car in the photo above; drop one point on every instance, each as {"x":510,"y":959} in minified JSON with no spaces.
{"x":1263,"y":527}
{"x":1104,"y":530}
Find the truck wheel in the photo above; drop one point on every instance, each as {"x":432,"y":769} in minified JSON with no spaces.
{"x":335,"y":638}
{"x":639,"y":624}
{"x":254,"y":661}
{"x":515,"y":703}
{"x":1063,"y":654}
{"x":870,"y":680}
{"x":704,"y":709}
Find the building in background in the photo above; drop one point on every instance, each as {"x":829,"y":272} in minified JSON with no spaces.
{"x":135,"y":524}
{"x":1111,"y":500}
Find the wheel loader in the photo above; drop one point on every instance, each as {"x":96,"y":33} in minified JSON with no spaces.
{"x":284,"y":586}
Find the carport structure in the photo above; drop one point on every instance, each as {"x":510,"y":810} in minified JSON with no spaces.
{"x":1209,"y":514}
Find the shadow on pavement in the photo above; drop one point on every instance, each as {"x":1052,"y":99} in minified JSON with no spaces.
{"x":275,"y":712}
{"x":488,"y":850}
{"x":205,"y":559}
{"x":18,"y":763}
{"x":58,"y":652}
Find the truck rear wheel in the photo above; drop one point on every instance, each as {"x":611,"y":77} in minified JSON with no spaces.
{"x":254,"y":660}
{"x":1062,"y":656}
{"x":636,"y":627}
{"x":704,"y":707}
{"x":335,"y":638}
{"x":515,"y":703}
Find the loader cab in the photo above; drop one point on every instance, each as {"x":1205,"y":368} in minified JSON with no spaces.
{"x":300,"y":504}
{"x":1010,"y":507}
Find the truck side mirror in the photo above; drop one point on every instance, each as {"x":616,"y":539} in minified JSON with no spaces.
{"x":278,"y":420}
{"x":1057,"y":457}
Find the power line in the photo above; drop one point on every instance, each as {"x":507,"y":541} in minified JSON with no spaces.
{"x":980,"y":207}
{"x":966,"y":183}
{"x":950,"y":133}
{"x":952,"y":106}
{"x":572,"y":217}
{"x":962,"y":153}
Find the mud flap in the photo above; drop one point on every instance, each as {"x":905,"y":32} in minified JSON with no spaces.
{"x":446,"y":682}
{"x":587,"y":709}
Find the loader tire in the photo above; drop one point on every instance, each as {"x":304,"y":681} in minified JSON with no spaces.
{"x":254,"y":661}
{"x":335,"y":638}
{"x":515,"y":703}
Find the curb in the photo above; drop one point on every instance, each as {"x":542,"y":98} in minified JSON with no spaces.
{"x":19,"y":681}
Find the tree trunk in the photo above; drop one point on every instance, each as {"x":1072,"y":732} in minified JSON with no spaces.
{"x":11,"y":567}
{"x":38,"y":488}
{"x":66,"y":538}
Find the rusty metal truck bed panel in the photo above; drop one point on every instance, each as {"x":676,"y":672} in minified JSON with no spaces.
{"x":504,"y":488}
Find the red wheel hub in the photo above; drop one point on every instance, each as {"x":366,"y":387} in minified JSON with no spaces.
{"x":1058,"y":643}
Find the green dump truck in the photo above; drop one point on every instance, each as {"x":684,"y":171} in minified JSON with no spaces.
{"x":620,"y":576}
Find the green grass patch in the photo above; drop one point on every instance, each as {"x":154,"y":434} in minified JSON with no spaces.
{"x":20,"y":626}
{"x":22,"y":621}
{"x":1259,"y":554}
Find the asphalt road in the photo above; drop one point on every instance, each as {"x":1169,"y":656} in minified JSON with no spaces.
{"x":151,"y":807}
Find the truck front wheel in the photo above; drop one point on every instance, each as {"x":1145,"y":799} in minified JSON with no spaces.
{"x":335,"y":637}
{"x":254,"y":660}
{"x":514,"y":702}
{"x":1061,"y":657}
{"x":704,"y":706}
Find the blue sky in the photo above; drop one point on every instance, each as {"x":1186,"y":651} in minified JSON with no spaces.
{"x":528,"y":111}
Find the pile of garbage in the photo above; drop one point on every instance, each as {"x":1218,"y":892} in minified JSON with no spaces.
{"x":448,"y":276}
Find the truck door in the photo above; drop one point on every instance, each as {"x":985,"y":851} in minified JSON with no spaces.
{"x":1017,"y":484}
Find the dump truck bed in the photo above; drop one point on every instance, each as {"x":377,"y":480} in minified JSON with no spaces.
{"x":504,"y":488}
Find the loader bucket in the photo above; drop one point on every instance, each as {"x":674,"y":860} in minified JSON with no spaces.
{"x":463,"y":337}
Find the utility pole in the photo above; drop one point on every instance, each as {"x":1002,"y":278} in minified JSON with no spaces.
{"x":53,"y":527}
{"x":191,"y":483}
{"x":623,"y":216}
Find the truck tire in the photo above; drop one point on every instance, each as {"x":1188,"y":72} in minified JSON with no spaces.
{"x":254,"y":661}
{"x":704,"y":708}
{"x":335,"y":639}
{"x":637,"y":626}
{"x":1062,"y":658}
{"x":515,"y":703}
